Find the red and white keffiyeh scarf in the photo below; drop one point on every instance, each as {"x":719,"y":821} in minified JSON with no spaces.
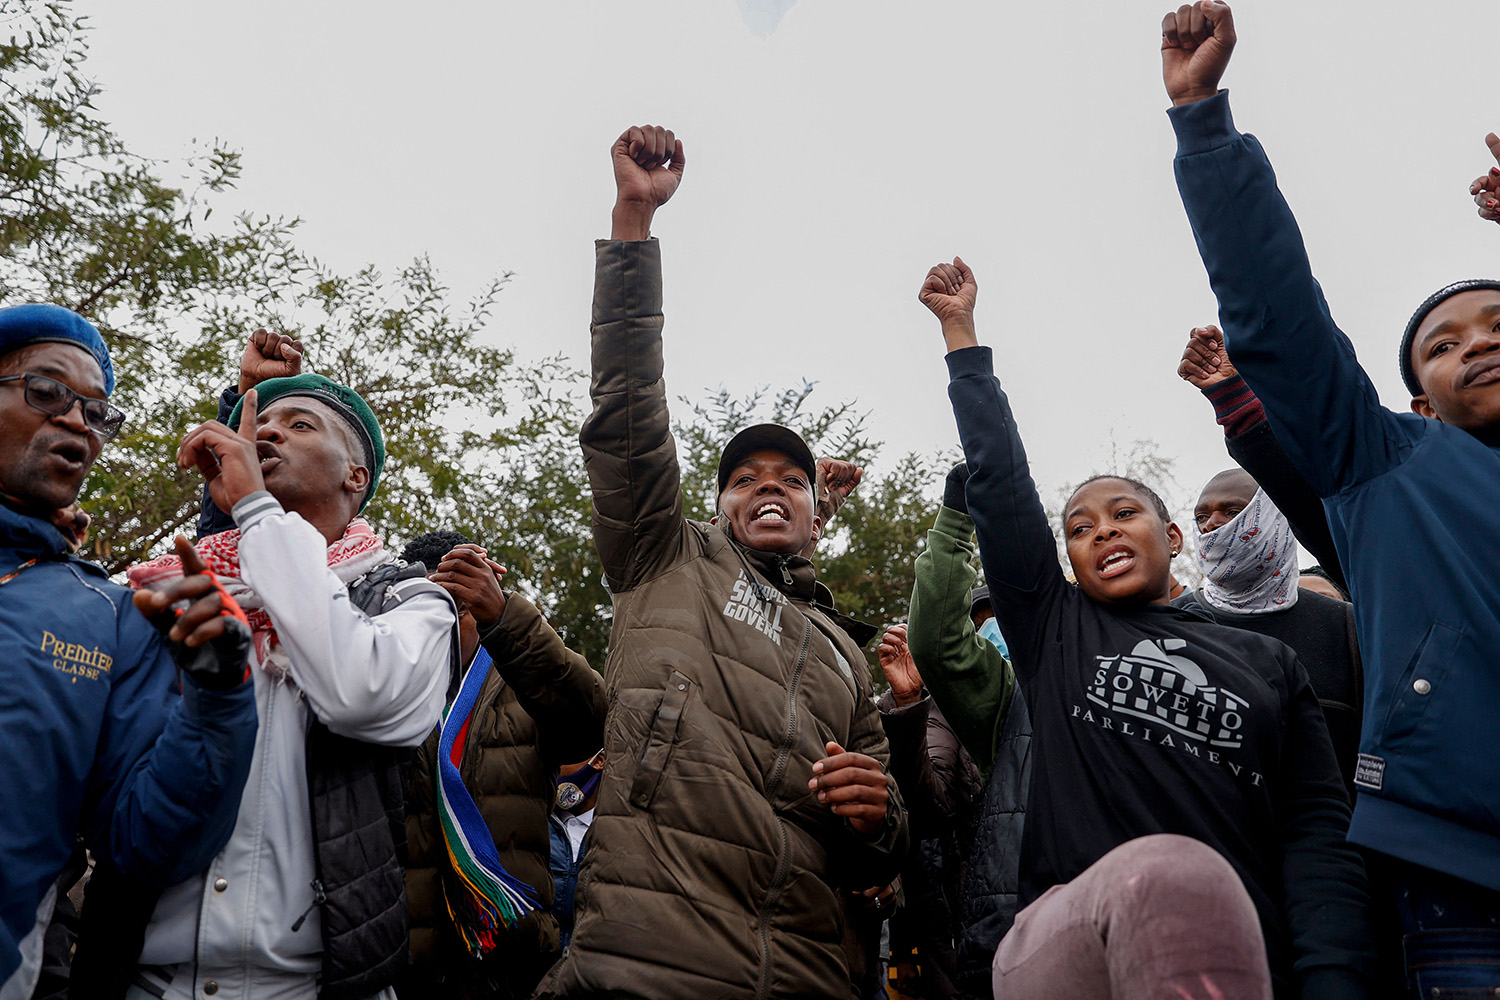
{"x":351,"y":557}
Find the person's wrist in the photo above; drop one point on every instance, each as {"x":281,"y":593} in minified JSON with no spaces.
{"x":631,"y":220}
{"x":906,"y":697}
{"x":1193,"y":96}
{"x":246,"y":383}
{"x":959,"y":332}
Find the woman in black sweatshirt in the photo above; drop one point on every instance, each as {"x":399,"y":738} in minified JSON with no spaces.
{"x":1165,"y":745}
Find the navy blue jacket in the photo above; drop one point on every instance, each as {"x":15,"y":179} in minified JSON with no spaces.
{"x":97,"y":739}
{"x":1410,"y":502}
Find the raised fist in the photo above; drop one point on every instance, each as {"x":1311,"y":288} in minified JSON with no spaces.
{"x":949,"y":291}
{"x":836,"y":480}
{"x":1205,"y":362}
{"x":1196,"y":41}
{"x":1486,"y":188}
{"x":269,"y":355}
{"x":900,"y":670}
{"x":648,"y":167}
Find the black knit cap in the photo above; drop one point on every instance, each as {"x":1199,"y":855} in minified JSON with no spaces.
{"x":1408,"y":372}
{"x":767,"y":436}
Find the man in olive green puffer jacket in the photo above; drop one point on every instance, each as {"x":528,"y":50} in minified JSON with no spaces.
{"x":745,"y":794}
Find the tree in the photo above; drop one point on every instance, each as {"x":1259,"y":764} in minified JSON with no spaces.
{"x":476,"y":442}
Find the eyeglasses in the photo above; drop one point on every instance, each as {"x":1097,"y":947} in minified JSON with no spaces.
{"x":51,"y":396}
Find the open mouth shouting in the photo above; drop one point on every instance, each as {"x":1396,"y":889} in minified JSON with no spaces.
{"x":269,"y":456}
{"x":770,"y":512}
{"x":72,"y":453}
{"x":1115,"y":561}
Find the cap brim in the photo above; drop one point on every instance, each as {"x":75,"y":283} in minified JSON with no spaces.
{"x":766,"y":437}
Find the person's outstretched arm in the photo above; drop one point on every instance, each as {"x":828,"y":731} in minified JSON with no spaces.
{"x":627,"y":439}
{"x":1321,"y":405}
{"x":1016,"y":544}
{"x":969,"y":678}
{"x":1252,"y":444}
{"x":556,"y":686}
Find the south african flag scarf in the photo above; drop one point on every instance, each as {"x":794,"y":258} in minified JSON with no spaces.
{"x":482,"y":897}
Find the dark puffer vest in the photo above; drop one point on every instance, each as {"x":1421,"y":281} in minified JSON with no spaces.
{"x":993,"y":880}
{"x":357,"y":795}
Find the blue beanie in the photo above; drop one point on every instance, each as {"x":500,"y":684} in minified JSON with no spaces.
{"x":42,"y":323}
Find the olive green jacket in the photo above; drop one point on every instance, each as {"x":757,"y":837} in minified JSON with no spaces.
{"x":712,"y":869}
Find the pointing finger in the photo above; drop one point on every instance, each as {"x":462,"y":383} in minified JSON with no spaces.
{"x":192,"y":563}
{"x":247,"y":415}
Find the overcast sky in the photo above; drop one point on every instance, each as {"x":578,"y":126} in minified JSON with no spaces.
{"x":836,"y":149}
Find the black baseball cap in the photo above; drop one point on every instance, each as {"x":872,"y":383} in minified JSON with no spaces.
{"x":762,"y":437}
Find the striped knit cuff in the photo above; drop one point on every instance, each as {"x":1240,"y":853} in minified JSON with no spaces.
{"x":1236,"y":408}
{"x":255,"y":508}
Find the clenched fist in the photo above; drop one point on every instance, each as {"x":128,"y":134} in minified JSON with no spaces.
{"x":648,"y":163}
{"x":835,"y":481}
{"x":1205,"y":362}
{"x":950,"y":290}
{"x":900,"y":669}
{"x":269,"y":355}
{"x":1196,"y":41}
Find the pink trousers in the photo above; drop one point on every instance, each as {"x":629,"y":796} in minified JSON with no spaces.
{"x":1158,"y":918}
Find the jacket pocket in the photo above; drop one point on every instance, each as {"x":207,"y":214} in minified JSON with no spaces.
{"x":1422,"y":682}
{"x":653,"y":762}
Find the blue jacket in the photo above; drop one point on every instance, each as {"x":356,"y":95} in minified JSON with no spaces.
{"x":1410,"y":502}
{"x":97,"y":741}
{"x":564,"y":876}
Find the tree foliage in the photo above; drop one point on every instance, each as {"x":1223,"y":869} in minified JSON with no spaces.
{"x":477,"y":442}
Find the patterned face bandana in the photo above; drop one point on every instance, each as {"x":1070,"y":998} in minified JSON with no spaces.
{"x":1250,"y":563}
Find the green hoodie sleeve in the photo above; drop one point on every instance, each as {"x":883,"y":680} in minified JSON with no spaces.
{"x":969,"y":678}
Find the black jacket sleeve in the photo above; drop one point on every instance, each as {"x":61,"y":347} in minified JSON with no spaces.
{"x":939,"y":780}
{"x":1016,"y":544}
{"x":212,"y":520}
{"x":1325,"y":893}
{"x":1259,"y":453}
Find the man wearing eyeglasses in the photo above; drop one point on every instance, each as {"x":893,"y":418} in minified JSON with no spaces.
{"x":99,"y":735}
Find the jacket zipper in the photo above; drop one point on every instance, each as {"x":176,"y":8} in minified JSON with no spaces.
{"x":784,"y":861}
{"x":319,"y":898}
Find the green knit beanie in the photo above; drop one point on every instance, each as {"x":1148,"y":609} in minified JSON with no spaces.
{"x":344,"y":401}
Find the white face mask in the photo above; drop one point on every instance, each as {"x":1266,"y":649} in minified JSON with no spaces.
{"x":1250,"y":563}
